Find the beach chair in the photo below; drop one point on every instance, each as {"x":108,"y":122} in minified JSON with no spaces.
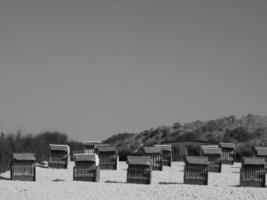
{"x":228,"y":152}
{"x":23,"y":167}
{"x":166,"y":154}
{"x":252,"y":172}
{"x":262,"y":152}
{"x":214,"y":157}
{"x":59,"y":156}
{"x":155,"y":154}
{"x":108,"y":157}
{"x":86,"y":168}
{"x":139,"y":170}
{"x":196,"y":170}
{"x":89,"y":146}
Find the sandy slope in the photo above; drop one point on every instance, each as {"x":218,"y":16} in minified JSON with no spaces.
{"x":54,"y":184}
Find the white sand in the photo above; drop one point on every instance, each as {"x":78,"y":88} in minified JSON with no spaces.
{"x":52,"y":184}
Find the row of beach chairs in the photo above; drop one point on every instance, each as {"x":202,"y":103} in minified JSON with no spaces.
{"x":102,"y":156}
{"x":88,"y":163}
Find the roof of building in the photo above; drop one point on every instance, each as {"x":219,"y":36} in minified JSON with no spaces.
{"x":211,"y":151}
{"x":138,"y":160}
{"x":152,"y":150}
{"x":164,"y":147}
{"x":196,"y":160}
{"x":253,"y":161}
{"x":24,"y":156}
{"x":227,"y":145}
{"x":59,"y":147}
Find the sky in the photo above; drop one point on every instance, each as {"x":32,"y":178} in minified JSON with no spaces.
{"x":92,"y":69}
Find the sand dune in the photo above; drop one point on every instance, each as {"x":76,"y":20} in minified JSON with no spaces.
{"x":54,"y":184}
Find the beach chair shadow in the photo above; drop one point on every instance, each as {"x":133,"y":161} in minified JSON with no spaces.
{"x":110,"y":181}
{"x":169,"y":183}
{"x":58,"y":180}
{"x":4,"y":178}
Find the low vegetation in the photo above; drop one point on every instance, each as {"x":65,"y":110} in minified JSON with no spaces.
{"x":27,"y":143}
{"x":247,"y":132}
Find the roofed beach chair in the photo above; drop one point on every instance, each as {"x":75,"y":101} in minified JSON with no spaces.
{"x":262,"y":152}
{"x":59,"y":155}
{"x":155,"y":153}
{"x":196,"y":170}
{"x":166,"y":153}
{"x":23,"y":167}
{"x":108,"y":157}
{"x":89,"y":146}
{"x":228,"y":152}
{"x":252,"y":172}
{"x":139,"y":169}
{"x":214,"y":157}
{"x":86,"y":167}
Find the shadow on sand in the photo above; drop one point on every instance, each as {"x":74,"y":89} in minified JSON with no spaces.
{"x":110,"y":181}
{"x":169,"y":183}
{"x":4,"y":178}
{"x":58,"y":180}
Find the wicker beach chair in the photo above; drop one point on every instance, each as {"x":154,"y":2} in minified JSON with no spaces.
{"x":139,"y":169}
{"x":59,"y":156}
{"x":228,"y":152}
{"x":166,"y":153}
{"x":252,"y":172}
{"x":86,"y":167}
{"x":196,"y":170}
{"x":23,"y":167}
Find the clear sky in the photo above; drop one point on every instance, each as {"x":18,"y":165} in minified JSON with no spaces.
{"x":96,"y":68}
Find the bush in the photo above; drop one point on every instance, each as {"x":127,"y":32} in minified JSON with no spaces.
{"x":34,"y":144}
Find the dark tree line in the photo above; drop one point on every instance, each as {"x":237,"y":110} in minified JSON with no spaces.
{"x":38,"y":144}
